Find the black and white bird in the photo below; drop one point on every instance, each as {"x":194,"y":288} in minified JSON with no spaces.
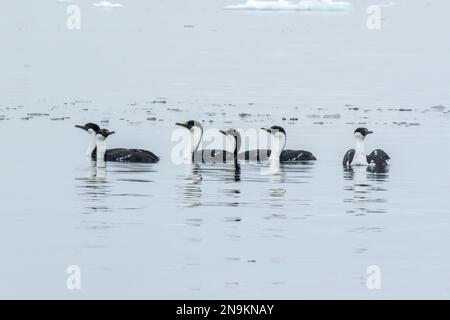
{"x":91,"y":129}
{"x":234,"y":138}
{"x":191,"y":152}
{"x":358,"y":157}
{"x":278,"y":153}
{"x":117,"y":154}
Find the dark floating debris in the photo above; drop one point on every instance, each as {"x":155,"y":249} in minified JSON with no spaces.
{"x":406,"y":124}
{"x":438,"y":108}
{"x":293,"y":119}
{"x":134,"y":123}
{"x":244,"y":115}
{"x":36,"y":114}
{"x":332,"y":116}
{"x":284,"y":118}
{"x":233,"y":219}
{"x":174,"y":109}
{"x":405,"y":110}
{"x":151,"y":119}
{"x":59,"y":118}
{"x":159,"y":101}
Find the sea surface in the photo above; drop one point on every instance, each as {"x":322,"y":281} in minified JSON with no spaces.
{"x":183,"y":231}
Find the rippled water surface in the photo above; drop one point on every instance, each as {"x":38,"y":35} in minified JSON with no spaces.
{"x":220,"y":230}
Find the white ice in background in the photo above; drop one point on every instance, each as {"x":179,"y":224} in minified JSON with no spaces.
{"x":305,"y":5}
{"x":107,"y":4}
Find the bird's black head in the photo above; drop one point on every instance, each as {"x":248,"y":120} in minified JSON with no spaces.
{"x":274,"y":129}
{"x":190,"y":124}
{"x":89,"y":126}
{"x":363,"y":131}
{"x":237,"y":138}
{"x":104,"y":133}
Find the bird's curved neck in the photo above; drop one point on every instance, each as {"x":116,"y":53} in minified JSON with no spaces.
{"x":236,"y":143}
{"x":278,"y":144}
{"x":193,"y":143}
{"x":92,"y":145}
{"x":101,"y":151}
{"x":359,"y":147}
{"x":196,"y":138}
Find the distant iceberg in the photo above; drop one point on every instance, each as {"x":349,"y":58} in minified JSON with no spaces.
{"x":284,"y":5}
{"x":106,"y":4}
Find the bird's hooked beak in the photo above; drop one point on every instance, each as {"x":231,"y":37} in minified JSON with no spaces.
{"x":182,"y":124}
{"x":369,"y":132}
{"x":223,"y":132}
{"x":110,"y":133}
{"x":269,"y":130}
{"x":80,"y":126}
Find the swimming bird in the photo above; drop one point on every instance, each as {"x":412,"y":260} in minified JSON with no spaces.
{"x":277,"y":152}
{"x":117,"y":154}
{"x":191,"y":152}
{"x":234,"y":137}
{"x":358,"y":157}
{"x":92,"y":129}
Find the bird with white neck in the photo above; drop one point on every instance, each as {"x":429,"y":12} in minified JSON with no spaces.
{"x":279,"y":154}
{"x":234,"y":138}
{"x":358,"y":156}
{"x":195,"y":137}
{"x":116,"y":154}
{"x":100,"y":138}
{"x":91,"y":129}
{"x":191,"y":152}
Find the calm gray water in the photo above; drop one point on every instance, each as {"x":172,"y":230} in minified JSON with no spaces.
{"x":209,"y":231}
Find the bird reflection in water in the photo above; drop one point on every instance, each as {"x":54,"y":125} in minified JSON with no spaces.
{"x":192,"y":191}
{"x":94,"y":190}
{"x":367,"y":187}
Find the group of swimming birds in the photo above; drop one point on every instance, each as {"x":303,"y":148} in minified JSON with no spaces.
{"x":97,"y":148}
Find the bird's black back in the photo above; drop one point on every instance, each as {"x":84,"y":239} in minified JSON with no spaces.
{"x":378,"y":157}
